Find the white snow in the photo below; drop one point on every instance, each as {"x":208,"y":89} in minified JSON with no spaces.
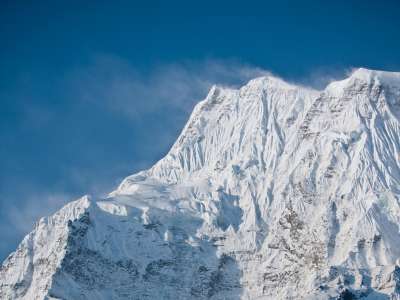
{"x":272,"y":191}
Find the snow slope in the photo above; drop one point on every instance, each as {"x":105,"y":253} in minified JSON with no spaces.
{"x":272,"y":191}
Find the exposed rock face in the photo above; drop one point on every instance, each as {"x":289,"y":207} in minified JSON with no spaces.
{"x":272,"y":191}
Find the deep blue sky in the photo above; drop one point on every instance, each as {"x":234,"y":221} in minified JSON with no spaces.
{"x":92,"y":92}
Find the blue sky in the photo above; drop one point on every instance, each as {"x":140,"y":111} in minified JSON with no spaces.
{"x":92,"y":92}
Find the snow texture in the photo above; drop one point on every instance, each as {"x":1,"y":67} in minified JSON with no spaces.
{"x":272,"y":191}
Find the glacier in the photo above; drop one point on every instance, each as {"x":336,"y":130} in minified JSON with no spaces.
{"x":272,"y":191}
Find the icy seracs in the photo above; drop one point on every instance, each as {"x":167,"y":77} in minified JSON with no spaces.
{"x":272,"y":191}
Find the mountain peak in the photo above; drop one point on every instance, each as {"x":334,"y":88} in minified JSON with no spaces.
{"x":269,"y":81}
{"x":269,"y":187}
{"x":367,"y":74}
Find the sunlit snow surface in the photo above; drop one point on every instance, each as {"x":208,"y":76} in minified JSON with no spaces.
{"x":272,"y":191}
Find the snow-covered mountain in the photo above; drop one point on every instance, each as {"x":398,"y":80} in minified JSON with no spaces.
{"x":272,"y":191}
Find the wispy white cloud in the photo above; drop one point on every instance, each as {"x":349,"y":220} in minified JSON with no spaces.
{"x":321,"y":77}
{"x":114,"y":82}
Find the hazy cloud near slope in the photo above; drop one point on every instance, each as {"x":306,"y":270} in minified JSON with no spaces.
{"x":19,"y":217}
{"x":37,"y":205}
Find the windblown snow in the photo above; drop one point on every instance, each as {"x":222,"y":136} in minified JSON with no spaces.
{"x":272,"y":191}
